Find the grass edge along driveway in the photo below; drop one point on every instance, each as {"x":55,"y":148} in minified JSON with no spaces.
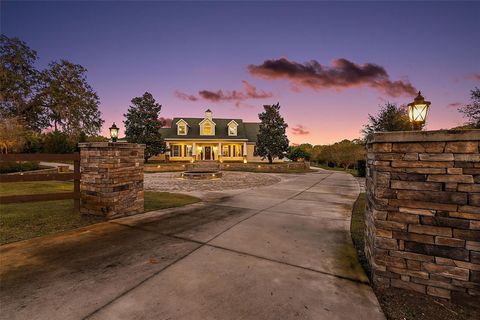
{"x":21,"y":221}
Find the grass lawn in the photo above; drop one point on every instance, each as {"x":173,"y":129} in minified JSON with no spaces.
{"x":20,"y":221}
{"x":399,"y":304}
{"x":353,"y":172}
{"x":357,"y":228}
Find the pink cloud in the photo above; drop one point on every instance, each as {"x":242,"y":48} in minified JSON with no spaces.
{"x":184,"y":96}
{"x":473,"y":76}
{"x":342,"y":74}
{"x":299,"y":130}
{"x":454,"y":105}
{"x":249,"y":91}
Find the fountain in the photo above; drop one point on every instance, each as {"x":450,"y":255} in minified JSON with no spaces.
{"x":203,"y":170}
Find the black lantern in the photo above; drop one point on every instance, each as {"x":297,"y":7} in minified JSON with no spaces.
{"x":417,"y":111}
{"x":114,"y":132}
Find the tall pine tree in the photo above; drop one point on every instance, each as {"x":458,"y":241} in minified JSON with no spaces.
{"x":142,"y":124}
{"x":272,"y":141}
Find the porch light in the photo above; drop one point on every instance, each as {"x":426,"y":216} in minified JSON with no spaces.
{"x":114,"y":132}
{"x":417,"y":111}
{"x":245,"y":160}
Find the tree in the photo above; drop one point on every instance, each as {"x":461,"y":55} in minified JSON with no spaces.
{"x":472,"y":111}
{"x":142,"y":124}
{"x":12,"y":135}
{"x":344,"y":153}
{"x":297,"y":152}
{"x":19,"y":84}
{"x":389,"y":118}
{"x":72,"y":104}
{"x":58,"y":142}
{"x":272,"y":140}
{"x":349,"y":152}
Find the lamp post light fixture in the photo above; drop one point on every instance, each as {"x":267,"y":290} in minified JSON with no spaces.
{"x":417,"y":111}
{"x":114,"y":132}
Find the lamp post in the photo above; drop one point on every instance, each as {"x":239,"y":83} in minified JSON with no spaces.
{"x":417,"y":111}
{"x":114,"y":132}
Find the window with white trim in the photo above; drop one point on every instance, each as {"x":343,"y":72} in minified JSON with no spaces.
{"x":176,"y":150}
{"x":232,"y":130}
{"x":207,"y":129}
{"x":182,"y":129}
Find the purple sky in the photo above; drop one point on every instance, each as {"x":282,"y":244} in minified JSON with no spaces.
{"x":184,"y":53}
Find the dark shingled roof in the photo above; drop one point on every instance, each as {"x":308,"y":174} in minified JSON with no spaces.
{"x":245,"y":130}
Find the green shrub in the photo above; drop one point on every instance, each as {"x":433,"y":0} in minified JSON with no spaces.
{"x":33,"y":142}
{"x":58,"y":142}
{"x":10,"y":167}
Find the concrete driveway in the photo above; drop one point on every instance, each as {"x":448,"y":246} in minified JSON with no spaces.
{"x":277,"y":252}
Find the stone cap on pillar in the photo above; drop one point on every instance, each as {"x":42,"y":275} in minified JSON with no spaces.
{"x":425,"y":136}
{"x":120,"y":145}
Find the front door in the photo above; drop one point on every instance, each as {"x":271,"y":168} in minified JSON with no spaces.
{"x":208,"y":153}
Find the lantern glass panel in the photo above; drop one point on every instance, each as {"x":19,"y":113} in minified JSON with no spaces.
{"x":114,"y":132}
{"x":418,"y":112}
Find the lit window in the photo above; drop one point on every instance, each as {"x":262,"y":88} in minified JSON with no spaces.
{"x":207,"y":129}
{"x":225,"y":152}
{"x":176,"y":150}
{"x":232,"y":130}
{"x":188,"y":152}
{"x":182,"y":129}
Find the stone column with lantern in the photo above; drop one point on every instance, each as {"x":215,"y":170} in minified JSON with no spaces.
{"x":111,"y":177}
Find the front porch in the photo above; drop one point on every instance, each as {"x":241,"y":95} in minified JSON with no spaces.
{"x":206,"y":151}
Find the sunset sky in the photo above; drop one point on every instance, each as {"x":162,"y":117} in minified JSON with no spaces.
{"x":329,"y":64}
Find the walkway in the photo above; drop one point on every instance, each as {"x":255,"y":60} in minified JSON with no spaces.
{"x":276,"y":252}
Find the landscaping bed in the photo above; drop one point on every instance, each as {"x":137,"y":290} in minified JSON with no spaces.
{"x":20,"y":221}
{"x":262,"y":167}
{"x":399,"y":304}
{"x":353,"y":172}
{"x":19,"y":166}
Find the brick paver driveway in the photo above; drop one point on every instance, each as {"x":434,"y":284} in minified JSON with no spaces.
{"x":276,"y":252}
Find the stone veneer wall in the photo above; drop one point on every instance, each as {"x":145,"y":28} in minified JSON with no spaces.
{"x":111,"y":179}
{"x":423,"y":211}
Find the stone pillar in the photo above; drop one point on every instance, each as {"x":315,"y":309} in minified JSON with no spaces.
{"x":423,"y":211}
{"x":112,"y":178}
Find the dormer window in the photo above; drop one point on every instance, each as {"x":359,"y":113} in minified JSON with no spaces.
{"x":207,"y":126}
{"x":182,"y":130}
{"x":182,"y":127}
{"x":232,"y":128}
{"x":207,"y":129}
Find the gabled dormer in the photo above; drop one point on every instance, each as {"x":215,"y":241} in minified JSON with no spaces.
{"x":232,"y":128}
{"x":207,"y":126}
{"x":182,"y":127}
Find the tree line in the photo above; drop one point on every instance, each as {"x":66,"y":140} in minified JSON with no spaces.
{"x":55,"y":106}
{"x":345,"y":153}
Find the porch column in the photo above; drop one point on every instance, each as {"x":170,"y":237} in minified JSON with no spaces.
{"x":220,"y":154}
{"x":168,"y":153}
{"x":244,"y":149}
{"x":194,"y":149}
